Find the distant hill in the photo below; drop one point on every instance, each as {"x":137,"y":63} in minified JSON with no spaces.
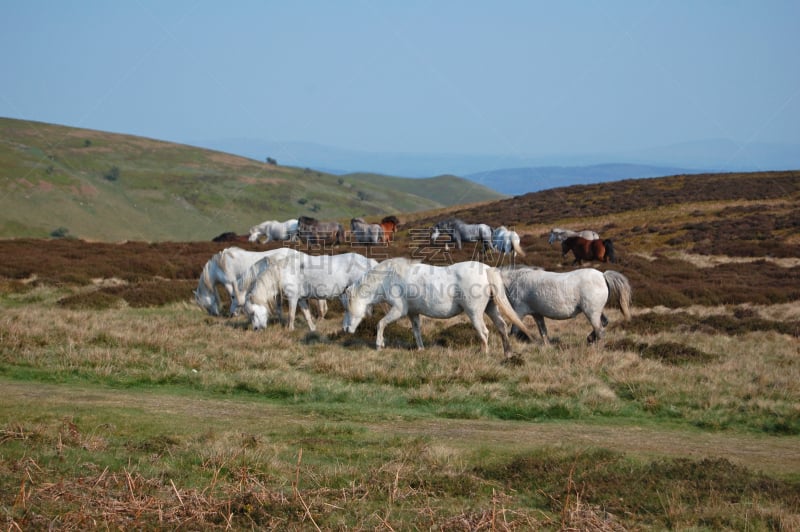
{"x":104,"y":186}
{"x":515,"y":181}
{"x":708,"y":156}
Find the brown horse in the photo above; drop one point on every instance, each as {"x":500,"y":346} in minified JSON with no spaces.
{"x":312,"y":231}
{"x":389,"y":224}
{"x":599,"y":250}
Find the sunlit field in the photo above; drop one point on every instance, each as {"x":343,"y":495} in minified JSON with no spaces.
{"x":126,"y":405}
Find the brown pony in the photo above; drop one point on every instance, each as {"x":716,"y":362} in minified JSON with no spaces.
{"x":389,"y":224}
{"x":599,"y":250}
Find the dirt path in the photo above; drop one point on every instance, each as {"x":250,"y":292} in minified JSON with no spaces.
{"x":771,"y":454}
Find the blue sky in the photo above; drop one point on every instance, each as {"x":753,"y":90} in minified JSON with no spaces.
{"x":506,"y":77}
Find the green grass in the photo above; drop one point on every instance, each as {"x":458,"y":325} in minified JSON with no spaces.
{"x":172,"y":192}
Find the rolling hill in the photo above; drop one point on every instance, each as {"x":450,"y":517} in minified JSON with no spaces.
{"x":105,"y":186}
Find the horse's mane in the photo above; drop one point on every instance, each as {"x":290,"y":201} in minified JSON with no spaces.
{"x":250,"y":275}
{"x":267,"y":284}
{"x":205,"y":277}
{"x":390,"y":267}
{"x":391,"y":219}
{"x":307,"y":220}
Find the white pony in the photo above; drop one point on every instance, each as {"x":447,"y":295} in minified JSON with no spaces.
{"x":507,"y":242}
{"x":414,"y":289}
{"x":561,"y":296}
{"x":366,"y":233}
{"x":249,"y":277}
{"x":274,"y":230}
{"x":225,"y":268}
{"x":558,"y":234}
{"x":301,"y":277}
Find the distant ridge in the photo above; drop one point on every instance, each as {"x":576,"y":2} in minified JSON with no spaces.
{"x":516,"y":181}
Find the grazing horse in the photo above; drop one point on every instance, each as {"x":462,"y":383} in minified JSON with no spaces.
{"x":507,"y":242}
{"x":274,"y":230}
{"x":225,"y":268}
{"x":463,"y":232}
{"x":561,"y":296}
{"x":599,"y":250}
{"x":364,"y":233}
{"x":312,"y":231}
{"x":389,"y":224}
{"x":414,"y":289}
{"x":558,"y":234}
{"x":229,"y":236}
{"x":300,"y":277}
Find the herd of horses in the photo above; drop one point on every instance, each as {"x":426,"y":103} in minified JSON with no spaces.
{"x":258,"y":283}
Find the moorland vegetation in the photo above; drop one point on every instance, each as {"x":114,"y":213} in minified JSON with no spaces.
{"x":125,"y":405}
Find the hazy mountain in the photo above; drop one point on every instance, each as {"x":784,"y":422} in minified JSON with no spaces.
{"x":511,"y":174}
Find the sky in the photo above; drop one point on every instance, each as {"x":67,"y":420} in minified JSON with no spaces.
{"x":523,"y":78}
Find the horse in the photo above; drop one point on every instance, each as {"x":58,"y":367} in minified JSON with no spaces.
{"x":301,"y":277}
{"x":249,"y":277}
{"x":600,"y":250}
{"x":389,"y":224}
{"x":315,"y":232}
{"x":225,"y":268}
{"x":560,"y":296}
{"x":229,"y":236}
{"x":558,"y":234}
{"x":463,"y":232}
{"x":414,"y":289}
{"x":507,"y":242}
{"x":364,"y":233}
{"x":274,"y":230}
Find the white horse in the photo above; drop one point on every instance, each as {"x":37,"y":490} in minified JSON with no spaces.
{"x":225,"y":268}
{"x":507,"y":242}
{"x":414,"y":289}
{"x":366,"y":233}
{"x":562,"y":296}
{"x":274,"y":230}
{"x":301,"y":277}
{"x":250,"y":276}
{"x":558,"y":234}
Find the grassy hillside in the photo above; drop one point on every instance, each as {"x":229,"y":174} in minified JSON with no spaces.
{"x":104,"y":186}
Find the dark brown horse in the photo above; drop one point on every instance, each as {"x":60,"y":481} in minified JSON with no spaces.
{"x":312,"y":231}
{"x":599,"y":250}
{"x":389,"y":224}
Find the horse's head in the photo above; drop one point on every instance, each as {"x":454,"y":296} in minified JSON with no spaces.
{"x":354,"y":310}
{"x":258,"y":314}
{"x":207,"y":300}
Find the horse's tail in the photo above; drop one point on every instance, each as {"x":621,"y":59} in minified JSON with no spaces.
{"x":620,"y":292}
{"x":501,"y":300}
{"x":516,"y":244}
{"x":610,"y":254}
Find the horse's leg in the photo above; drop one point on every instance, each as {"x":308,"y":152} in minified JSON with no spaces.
{"x":307,"y":313}
{"x":500,"y":325}
{"x":233,"y":292}
{"x":539,"y":319}
{"x":476,"y":318}
{"x":416,"y":330}
{"x":393,"y":315}
{"x":598,"y":331}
